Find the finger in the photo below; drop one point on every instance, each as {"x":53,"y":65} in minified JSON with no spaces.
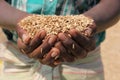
{"x":23,"y":35}
{"x":51,"y":64}
{"x":87,"y":43}
{"x":44,"y":48}
{"x":91,"y":30}
{"x":71,"y":45}
{"x":51,"y":56}
{"x":21,"y":46}
{"x":55,"y":63}
{"x":37,"y":40}
{"x":65,"y":56}
{"x":57,"y":55}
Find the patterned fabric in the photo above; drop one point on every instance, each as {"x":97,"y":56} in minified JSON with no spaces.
{"x":17,"y":66}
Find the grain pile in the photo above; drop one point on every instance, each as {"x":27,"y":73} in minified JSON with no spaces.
{"x":54,"y":24}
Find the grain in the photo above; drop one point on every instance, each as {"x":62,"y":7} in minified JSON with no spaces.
{"x":73,"y":46}
{"x":54,"y":24}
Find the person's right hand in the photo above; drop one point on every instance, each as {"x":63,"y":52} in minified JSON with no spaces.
{"x":26,"y":44}
{"x":40,"y":47}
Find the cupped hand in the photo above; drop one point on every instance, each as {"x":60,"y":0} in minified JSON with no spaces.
{"x":40,"y":47}
{"x":77,"y":43}
{"x":71,"y":46}
{"x":28,"y":45}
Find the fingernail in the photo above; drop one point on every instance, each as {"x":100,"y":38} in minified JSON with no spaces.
{"x":25,"y":38}
{"x":88,"y":32}
{"x":53,"y":54}
{"x":62,"y":37}
{"x":52,"y":40}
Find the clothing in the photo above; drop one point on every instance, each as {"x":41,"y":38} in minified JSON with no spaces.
{"x":20,"y":67}
{"x":23,"y":68}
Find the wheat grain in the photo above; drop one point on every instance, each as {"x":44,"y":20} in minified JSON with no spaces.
{"x":54,"y":24}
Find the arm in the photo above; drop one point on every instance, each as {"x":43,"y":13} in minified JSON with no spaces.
{"x":104,"y":12}
{"x":9,"y":16}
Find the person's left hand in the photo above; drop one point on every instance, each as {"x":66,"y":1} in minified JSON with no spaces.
{"x":79,"y":44}
{"x":47,"y":50}
{"x":71,"y":46}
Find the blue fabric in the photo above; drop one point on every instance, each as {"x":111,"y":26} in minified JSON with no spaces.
{"x":34,"y":6}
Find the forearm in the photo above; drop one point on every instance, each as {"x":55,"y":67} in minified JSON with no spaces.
{"x":104,"y":13}
{"x":9,"y":16}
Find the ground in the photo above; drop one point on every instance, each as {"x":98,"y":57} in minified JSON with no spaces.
{"x":110,"y":52}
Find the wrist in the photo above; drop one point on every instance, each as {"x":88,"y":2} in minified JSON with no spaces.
{"x":19,"y":17}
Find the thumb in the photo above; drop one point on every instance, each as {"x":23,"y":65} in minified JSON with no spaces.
{"x":23,"y":35}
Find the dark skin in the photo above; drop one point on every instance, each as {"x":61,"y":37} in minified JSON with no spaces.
{"x":61,"y":45}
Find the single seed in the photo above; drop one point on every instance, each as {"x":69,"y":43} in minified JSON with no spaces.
{"x":56,"y":57}
{"x":41,"y":50}
{"x":73,"y":46}
{"x":69,"y":35}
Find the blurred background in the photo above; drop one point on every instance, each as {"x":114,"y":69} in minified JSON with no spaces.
{"x":110,"y":52}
